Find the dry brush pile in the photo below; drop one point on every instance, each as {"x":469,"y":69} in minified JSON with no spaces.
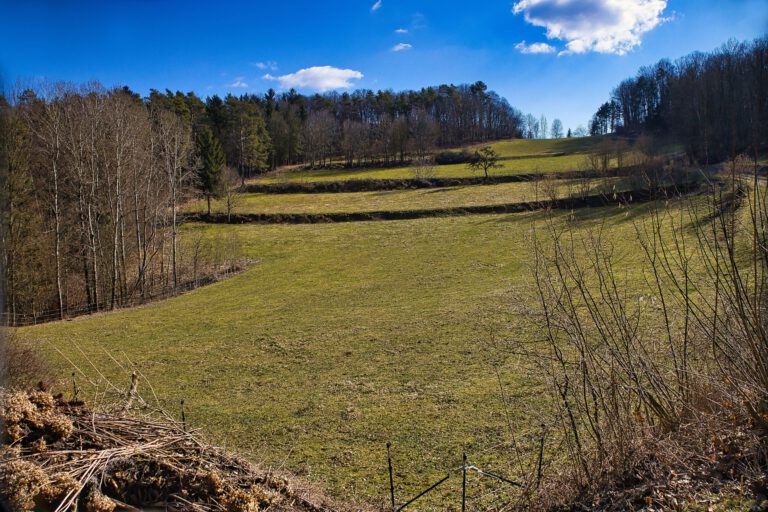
{"x":60,"y":455}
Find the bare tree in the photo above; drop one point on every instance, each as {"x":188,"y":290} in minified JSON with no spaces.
{"x":45,"y":121}
{"x":231,"y":191}
{"x":175,"y":149}
{"x":318,"y":136}
{"x":398,"y":137}
{"x":557,"y":129}
{"x":424,"y":132}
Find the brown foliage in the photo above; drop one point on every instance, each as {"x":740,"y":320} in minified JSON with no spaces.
{"x":660,"y":393}
{"x":110,"y":460}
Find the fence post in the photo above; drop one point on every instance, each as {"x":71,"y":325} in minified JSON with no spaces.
{"x":464,"y":484}
{"x":75,"y":389}
{"x":183,"y":416}
{"x":391,"y":481}
{"x":541,"y":454}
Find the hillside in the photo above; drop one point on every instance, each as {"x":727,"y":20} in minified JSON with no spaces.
{"x":325,"y":349}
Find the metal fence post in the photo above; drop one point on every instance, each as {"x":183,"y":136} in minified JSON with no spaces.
{"x":541,"y":454}
{"x":391,"y":481}
{"x":75,"y":389}
{"x":464,"y":484}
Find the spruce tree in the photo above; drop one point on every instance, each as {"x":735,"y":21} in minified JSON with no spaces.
{"x":211,"y":171}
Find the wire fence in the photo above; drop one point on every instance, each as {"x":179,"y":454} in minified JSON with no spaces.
{"x":461,"y":470}
{"x":11,"y":319}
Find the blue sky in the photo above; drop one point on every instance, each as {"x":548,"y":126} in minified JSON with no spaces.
{"x":585,"y":47}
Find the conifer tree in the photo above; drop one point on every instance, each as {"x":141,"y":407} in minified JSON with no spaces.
{"x":211,"y":170}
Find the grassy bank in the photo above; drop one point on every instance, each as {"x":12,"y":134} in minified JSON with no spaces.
{"x":448,"y":197}
{"x":519,"y":156}
{"x":342,"y":337}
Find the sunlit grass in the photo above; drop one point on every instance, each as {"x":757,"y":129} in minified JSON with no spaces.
{"x":343,"y":337}
{"x":543,"y":156}
{"x":449,"y":197}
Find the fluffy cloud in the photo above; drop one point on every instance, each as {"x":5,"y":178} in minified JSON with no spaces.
{"x":604,"y":26}
{"x":399,"y":47}
{"x":239,"y":83}
{"x":376,"y":6}
{"x":401,"y":31}
{"x":318,"y":78}
{"x":270,"y":64}
{"x":534,"y":48}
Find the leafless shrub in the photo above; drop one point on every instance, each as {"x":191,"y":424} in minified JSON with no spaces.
{"x":232,"y":190}
{"x":599,"y":160}
{"x":24,"y":367}
{"x":424,"y":168}
{"x":547,"y":188}
{"x":207,"y":254}
{"x":636,"y":371}
{"x":582,"y":187}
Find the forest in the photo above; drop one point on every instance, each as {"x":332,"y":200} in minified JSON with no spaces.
{"x":259,"y":133}
{"x":714,"y":104}
{"x":94,"y":177}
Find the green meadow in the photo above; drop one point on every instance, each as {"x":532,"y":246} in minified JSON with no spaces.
{"x":434,"y":198}
{"x":342,"y":337}
{"x":519,"y":156}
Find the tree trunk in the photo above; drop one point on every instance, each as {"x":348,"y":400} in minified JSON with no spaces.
{"x":57,"y":231}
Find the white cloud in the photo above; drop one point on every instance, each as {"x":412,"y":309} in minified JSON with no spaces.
{"x":318,"y":78}
{"x":399,"y":47}
{"x":401,"y":31}
{"x":239,"y":83}
{"x":270,"y":64}
{"x":534,"y":48}
{"x":376,"y":6}
{"x":418,"y":20}
{"x":603,"y":26}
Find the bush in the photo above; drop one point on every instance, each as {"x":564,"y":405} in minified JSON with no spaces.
{"x":638,"y":375}
{"x":455,"y":157}
{"x":22,"y":365}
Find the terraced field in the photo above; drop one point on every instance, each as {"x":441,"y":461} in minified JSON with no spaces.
{"x":344,"y":336}
{"x":516,"y":157}
{"x":447,"y":197}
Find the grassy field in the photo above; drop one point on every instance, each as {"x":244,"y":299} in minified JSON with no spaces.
{"x":516,"y":157}
{"x":518,"y":148}
{"x":449,"y":197}
{"x":343,"y":337}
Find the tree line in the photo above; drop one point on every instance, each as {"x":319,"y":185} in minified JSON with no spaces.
{"x":94,"y":178}
{"x":92,"y":181}
{"x":261,"y":132}
{"x":714,"y":104}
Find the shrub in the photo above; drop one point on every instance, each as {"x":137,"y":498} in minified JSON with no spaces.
{"x":22,"y":366}
{"x":638,"y":377}
{"x":455,"y":157}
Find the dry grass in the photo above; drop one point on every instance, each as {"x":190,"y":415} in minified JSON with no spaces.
{"x":61,"y":455}
{"x":660,"y":389}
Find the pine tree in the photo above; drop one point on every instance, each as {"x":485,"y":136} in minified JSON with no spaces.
{"x":211,"y":171}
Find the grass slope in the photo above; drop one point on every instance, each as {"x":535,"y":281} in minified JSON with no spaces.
{"x":342,"y":337}
{"x":543,"y":156}
{"x":448,"y":197}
